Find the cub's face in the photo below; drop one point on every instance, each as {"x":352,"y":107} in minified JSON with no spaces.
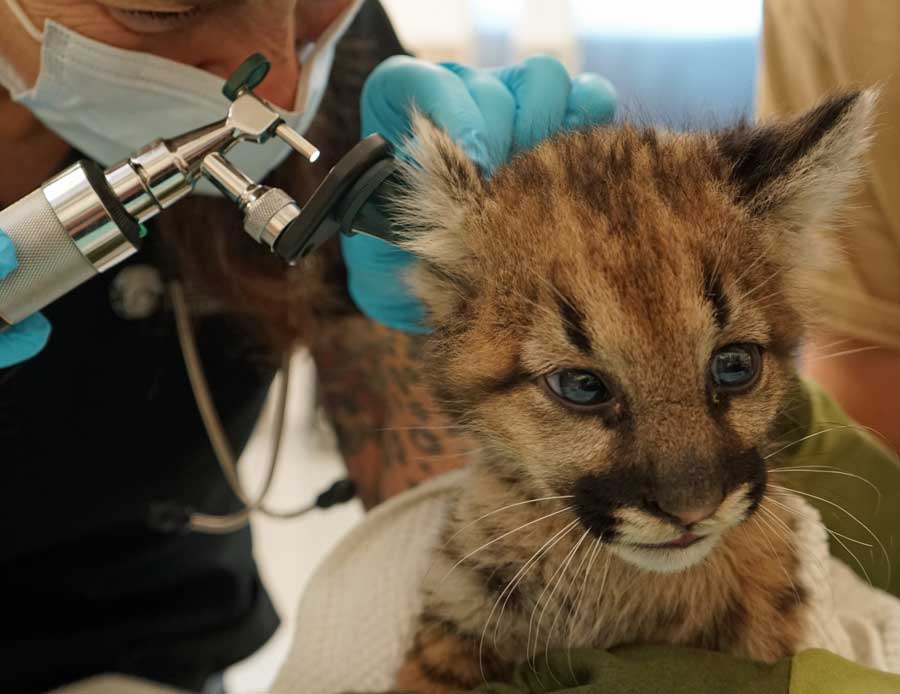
{"x":615,"y":312}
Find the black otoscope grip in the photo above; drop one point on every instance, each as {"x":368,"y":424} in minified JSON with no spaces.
{"x":348,"y":200}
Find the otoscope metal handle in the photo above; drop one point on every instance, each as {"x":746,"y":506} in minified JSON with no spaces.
{"x":49,"y":261}
{"x":64,"y":233}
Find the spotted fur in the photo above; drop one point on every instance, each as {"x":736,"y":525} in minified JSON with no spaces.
{"x":634,"y":254}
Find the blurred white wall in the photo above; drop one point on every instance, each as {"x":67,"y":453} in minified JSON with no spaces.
{"x":457,"y":29}
{"x":474,"y":32}
{"x":434,"y":30}
{"x":685,"y":64}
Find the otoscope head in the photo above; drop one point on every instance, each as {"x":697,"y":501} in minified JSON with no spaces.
{"x":345,"y":201}
{"x":349,"y":200}
{"x":268,"y":212}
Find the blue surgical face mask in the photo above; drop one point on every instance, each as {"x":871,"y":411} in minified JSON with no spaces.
{"x":108,"y":102}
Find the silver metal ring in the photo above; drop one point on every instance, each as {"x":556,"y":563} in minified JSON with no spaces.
{"x":86,"y":220}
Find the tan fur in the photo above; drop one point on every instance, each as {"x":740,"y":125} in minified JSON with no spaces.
{"x":628,"y":228}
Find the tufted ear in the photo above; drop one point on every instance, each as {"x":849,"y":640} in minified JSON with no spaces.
{"x":442,"y":188}
{"x":795,"y":177}
{"x":798,"y":173}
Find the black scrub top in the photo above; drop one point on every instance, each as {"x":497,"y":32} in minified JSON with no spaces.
{"x":93,"y":432}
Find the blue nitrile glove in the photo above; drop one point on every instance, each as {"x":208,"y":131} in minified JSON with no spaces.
{"x":491,"y":113}
{"x":27,"y":338}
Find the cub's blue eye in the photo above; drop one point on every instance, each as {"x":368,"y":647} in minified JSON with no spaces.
{"x":579,"y":389}
{"x":736,"y":367}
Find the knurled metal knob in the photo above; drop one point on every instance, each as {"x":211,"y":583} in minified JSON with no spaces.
{"x":266,"y":217}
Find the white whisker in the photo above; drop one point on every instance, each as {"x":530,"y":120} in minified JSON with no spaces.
{"x":422,"y":428}
{"x":788,"y":537}
{"x":505,"y":508}
{"x":595,"y":551}
{"x":774,"y":516}
{"x":843,"y":353}
{"x":835,"y":343}
{"x":429,"y":457}
{"x":824,"y":470}
{"x":746,"y":295}
{"x":850,"y":539}
{"x":523,"y":570}
{"x":605,"y":574}
{"x":805,"y":438}
{"x":872,"y":430}
{"x":887,"y":557}
{"x":562,"y":606}
{"x":788,"y":533}
{"x":760,"y":258}
{"x":761,"y":522}
{"x":855,"y":558}
{"x":559,"y":571}
{"x":504,"y":535}
{"x":511,"y":586}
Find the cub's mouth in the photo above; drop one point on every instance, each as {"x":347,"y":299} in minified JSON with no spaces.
{"x":683,"y":542}
{"x":668,"y":557}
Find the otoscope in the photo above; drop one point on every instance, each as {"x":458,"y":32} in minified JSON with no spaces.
{"x":85,"y":220}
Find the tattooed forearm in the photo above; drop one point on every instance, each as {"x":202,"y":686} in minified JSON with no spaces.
{"x":387,"y":424}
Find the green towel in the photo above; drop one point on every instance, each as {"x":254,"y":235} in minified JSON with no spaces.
{"x":668,"y":670}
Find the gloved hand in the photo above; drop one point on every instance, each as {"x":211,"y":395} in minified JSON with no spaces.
{"x":27,"y":338}
{"x":491,"y":113}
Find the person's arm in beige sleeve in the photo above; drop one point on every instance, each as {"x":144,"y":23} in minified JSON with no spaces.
{"x":811,"y":48}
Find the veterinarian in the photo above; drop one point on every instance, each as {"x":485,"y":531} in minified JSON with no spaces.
{"x":97,"y":422}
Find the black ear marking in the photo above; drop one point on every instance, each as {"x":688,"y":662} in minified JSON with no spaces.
{"x":760,"y":155}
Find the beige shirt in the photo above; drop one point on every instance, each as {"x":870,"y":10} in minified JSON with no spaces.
{"x":815,"y":47}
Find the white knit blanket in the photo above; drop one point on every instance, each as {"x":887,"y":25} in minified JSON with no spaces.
{"x":355,"y":620}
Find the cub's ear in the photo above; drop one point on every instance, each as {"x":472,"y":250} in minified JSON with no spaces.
{"x":435,"y":210}
{"x":800,"y":171}
{"x":442,"y":188}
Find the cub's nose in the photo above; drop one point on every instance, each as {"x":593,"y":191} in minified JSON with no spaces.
{"x":685,"y":514}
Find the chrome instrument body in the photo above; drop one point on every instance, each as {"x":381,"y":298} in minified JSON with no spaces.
{"x":168,"y":170}
{"x":85,"y":220}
